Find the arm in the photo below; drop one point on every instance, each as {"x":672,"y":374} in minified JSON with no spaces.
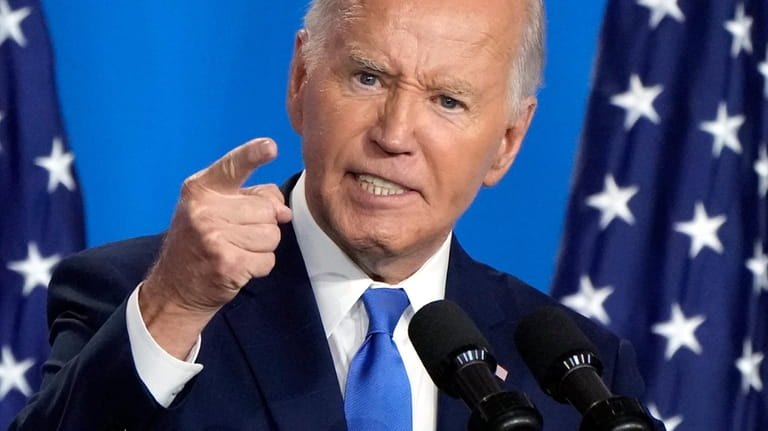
{"x":221,"y":236}
{"x":89,"y":379}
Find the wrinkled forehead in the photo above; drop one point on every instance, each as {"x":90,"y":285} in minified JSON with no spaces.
{"x":495,"y":25}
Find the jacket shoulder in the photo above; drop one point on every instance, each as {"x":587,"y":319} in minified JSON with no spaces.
{"x":96,"y":280}
{"x":513,"y":300}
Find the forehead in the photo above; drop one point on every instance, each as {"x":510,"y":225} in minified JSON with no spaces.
{"x":430,"y":29}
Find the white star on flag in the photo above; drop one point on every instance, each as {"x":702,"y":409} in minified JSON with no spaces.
{"x":670,"y":423}
{"x":662,"y":8}
{"x":35,"y":269}
{"x":37,"y":226}
{"x":761,"y":168}
{"x":59,"y":166}
{"x":749,"y":367}
{"x":613,"y":202}
{"x":12,"y":374}
{"x":588,"y":301}
{"x":763,"y":69}
{"x":10,"y":23}
{"x":703,"y":230}
{"x":638,"y":102}
{"x":740,"y":27}
{"x":689,"y":290}
{"x":758,"y":265}
{"x":725,"y":130}
{"x":679,"y":332}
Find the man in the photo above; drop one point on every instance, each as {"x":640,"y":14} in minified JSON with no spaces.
{"x":247,"y":313}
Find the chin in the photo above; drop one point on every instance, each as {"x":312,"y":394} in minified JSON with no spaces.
{"x":375,"y":244}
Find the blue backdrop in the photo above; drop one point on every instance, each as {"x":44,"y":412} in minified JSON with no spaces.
{"x":153,"y":91}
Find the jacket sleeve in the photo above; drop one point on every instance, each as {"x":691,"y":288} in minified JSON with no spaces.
{"x":89,"y":380}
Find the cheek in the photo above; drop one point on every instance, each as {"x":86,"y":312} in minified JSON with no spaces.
{"x":319,"y":135}
{"x":333,"y":123}
{"x":464,"y":152}
{"x":461,"y":168}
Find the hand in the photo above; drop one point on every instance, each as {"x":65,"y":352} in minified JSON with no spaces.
{"x":220,"y":237}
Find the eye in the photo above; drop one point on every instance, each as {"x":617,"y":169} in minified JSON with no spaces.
{"x":449,"y":103}
{"x":367,"y":79}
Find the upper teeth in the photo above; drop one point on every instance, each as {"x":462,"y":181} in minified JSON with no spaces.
{"x":379,"y":186}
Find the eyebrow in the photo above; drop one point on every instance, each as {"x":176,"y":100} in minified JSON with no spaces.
{"x":452,"y":86}
{"x":364,"y":62}
{"x":457,"y":87}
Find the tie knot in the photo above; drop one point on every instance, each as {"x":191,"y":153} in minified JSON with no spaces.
{"x":384,"y":307}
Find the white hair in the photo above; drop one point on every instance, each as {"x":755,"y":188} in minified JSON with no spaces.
{"x":526,"y":73}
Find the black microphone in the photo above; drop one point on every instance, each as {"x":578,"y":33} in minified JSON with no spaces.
{"x":564,"y":363}
{"x":459,"y":360}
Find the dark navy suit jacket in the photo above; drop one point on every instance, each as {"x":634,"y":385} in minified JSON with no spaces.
{"x":266,"y":357}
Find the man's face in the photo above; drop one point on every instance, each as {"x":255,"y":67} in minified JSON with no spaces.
{"x":404,"y":116}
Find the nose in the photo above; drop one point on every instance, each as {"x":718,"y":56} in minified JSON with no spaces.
{"x":394,"y":131}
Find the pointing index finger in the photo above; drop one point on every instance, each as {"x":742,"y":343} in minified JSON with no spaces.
{"x":229,"y":172}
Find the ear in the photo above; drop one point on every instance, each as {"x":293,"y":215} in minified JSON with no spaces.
{"x":296,"y":81}
{"x":510,"y":143}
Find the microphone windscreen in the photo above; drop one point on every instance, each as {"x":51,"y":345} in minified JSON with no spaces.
{"x":439,"y":332}
{"x":546,"y":336}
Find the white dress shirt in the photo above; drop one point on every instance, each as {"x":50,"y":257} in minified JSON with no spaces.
{"x":338,"y":285}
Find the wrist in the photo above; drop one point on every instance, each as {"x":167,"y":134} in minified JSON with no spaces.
{"x":172,"y":324}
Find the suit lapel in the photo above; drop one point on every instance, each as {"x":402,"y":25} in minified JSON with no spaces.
{"x":278,"y":326}
{"x":467,"y":284}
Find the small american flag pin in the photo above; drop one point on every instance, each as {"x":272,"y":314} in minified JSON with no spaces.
{"x":501,"y":373}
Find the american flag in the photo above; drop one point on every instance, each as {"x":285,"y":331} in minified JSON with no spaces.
{"x":666,"y":228}
{"x":41,"y":217}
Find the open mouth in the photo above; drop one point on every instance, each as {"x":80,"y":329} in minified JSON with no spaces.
{"x":378,"y":186}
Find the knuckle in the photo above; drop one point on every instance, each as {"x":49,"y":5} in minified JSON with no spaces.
{"x":211,"y":243}
{"x":227,"y":265}
{"x":270,"y":261}
{"x":274,"y":190}
{"x":268,"y":191}
{"x":272,"y":236}
{"x":190,"y":185}
{"x":228,"y":167}
{"x":264,"y":210}
{"x":265,"y":263}
{"x":199,"y":214}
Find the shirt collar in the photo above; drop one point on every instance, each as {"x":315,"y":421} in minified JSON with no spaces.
{"x":338,"y":282}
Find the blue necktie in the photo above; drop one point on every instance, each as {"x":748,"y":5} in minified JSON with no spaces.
{"x":378,"y":394}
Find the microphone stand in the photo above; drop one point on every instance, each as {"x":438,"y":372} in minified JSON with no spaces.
{"x":601,"y":410}
{"x":495,"y":410}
